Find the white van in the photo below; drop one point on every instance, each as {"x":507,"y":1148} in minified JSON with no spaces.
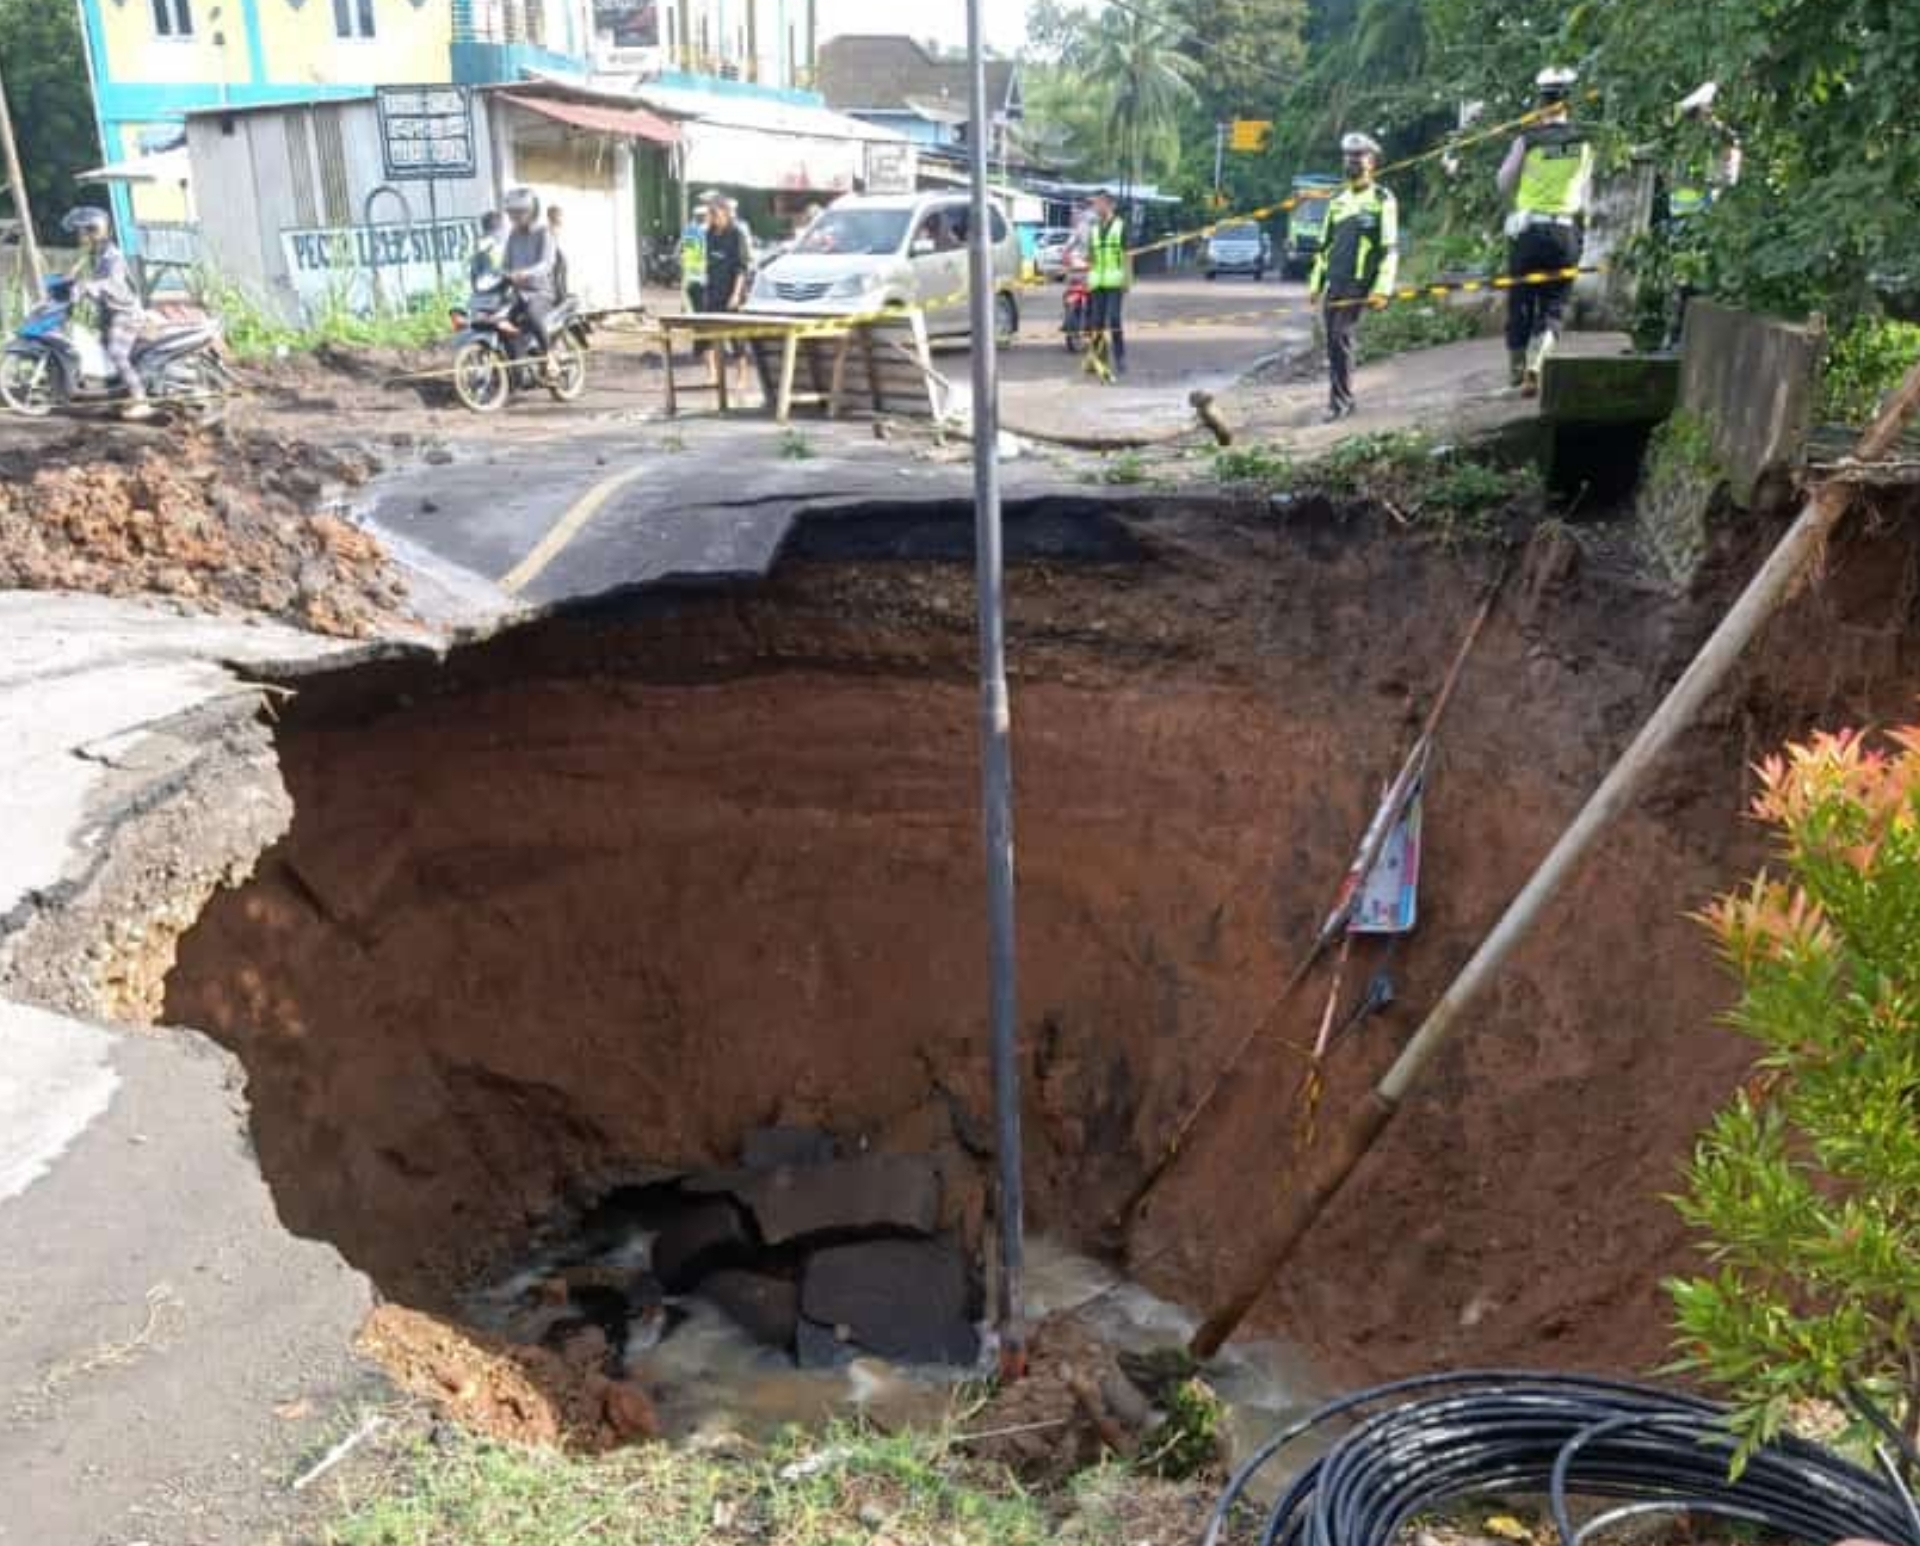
{"x":873,"y":252}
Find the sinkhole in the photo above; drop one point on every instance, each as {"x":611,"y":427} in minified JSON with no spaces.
{"x":620,"y":983}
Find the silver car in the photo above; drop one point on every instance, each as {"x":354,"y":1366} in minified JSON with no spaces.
{"x":877,"y":252}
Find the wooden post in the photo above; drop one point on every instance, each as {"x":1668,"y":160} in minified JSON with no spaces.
{"x":1766,"y":593}
{"x":17,"y":182}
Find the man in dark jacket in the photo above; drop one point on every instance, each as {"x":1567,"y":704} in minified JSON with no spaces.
{"x":529,"y":261}
{"x":729,"y":252}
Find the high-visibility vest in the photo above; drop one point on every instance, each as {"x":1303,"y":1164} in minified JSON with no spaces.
{"x":693,"y":256}
{"x":1359,"y":245}
{"x":1107,"y":255}
{"x":1556,"y":173}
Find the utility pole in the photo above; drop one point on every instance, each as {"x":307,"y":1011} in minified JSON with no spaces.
{"x":17,"y":182}
{"x":996,"y":719}
{"x":1219,"y":160}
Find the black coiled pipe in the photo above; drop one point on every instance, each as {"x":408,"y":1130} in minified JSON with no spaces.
{"x":1419,"y":1443}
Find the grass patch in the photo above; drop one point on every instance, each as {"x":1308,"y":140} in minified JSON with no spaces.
{"x":1409,"y":325}
{"x":849,"y":1485}
{"x":1445,"y":490}
{"x":795,"y":447}
{"x":254,"y":330}
{"x":1268,"y":466}
{"x":1129,"y":467}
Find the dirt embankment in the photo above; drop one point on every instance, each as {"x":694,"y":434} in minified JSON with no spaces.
{"x":229,"y":521}
{"x":599,"y":894}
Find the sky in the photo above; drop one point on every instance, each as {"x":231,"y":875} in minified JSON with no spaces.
{"x":944,"y":21}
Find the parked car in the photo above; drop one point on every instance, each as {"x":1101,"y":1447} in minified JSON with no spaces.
{"x":1307,"y":223}
{"x":1238,"y":247}
{"x":875,"y":252}
{"x":1051,"y":252}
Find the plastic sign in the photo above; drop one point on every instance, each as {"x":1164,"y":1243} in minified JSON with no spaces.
{"x":1249,"y":134}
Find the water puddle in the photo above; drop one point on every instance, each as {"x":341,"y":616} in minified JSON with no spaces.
{"x":711,"y":1378}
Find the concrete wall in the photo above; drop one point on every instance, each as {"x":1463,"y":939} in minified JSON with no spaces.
{"x":1753,"y":380}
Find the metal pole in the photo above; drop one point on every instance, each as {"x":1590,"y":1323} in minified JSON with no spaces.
{"x":996,"y":718}
{"x":1219,"y":159}
{"x":1765,"y":594}
{"x":16,"y":180}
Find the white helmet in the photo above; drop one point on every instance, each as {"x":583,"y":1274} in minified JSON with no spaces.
{"x":522,"y":201}
{"x":1556,"y":82}
{"x":1359,"y":145}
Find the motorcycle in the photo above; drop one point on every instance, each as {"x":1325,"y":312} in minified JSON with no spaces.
{"x":495,"y":353}
{"x":54,"y":361}
{"x":1074,"y":306}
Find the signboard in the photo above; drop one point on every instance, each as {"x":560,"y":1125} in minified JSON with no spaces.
{"x":890,"y":168}
{"x":1249,"y":134}
{"x":426,"y":131}
{"x":363,"y":267}
{"x":1388,"y":900}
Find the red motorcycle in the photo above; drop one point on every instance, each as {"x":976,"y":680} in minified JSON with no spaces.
{"x":1075,"y":306}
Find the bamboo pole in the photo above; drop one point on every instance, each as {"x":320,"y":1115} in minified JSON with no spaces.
{"x":1766,"y":592}
{"x":17,"y":182}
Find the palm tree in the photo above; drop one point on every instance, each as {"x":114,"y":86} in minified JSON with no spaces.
{"x":1136,"y":54}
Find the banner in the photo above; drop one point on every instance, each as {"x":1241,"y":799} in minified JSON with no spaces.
{"x":365,"y":267}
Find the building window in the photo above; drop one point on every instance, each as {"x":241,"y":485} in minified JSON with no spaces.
{"x":353,"y":18}
{"x":173,"y":18}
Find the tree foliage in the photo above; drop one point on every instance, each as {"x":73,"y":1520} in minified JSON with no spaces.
{"x":1807,"y":1187}
{"x":45,"y":64}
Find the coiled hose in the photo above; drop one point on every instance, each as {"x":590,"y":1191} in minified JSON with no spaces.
{"x":1417,"y":1443}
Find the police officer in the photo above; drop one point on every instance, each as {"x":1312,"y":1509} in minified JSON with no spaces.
{"x":1107,"y":279}
{"x":1547,"y":179}
{"x":104,"y":278}
{"x":693,"y":257}
{"x":1358,"y":262}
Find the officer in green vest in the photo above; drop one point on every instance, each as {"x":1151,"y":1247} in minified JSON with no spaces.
{"x":693,"y":258}
{"x":1107,"y":278}
{"x":1358,"y":262}
{"x":1547,"y":180}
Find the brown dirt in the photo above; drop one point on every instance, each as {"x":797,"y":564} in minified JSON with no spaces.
{"x":224,"y":521}
{"x":524,"y":1394}
{"x":592,"y":896}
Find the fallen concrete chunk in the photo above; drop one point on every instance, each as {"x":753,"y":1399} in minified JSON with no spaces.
{"x":796,"y":1202}
{"x":908,"y":1300}
{"x":710,"y":1234}
{"x":767,"y":1308}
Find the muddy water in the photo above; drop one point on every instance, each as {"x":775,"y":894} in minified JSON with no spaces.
{"x":709,"y":1378}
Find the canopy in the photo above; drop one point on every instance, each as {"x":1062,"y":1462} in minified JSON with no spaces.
{"x":627,"y":123}
{"x":167,"y":166}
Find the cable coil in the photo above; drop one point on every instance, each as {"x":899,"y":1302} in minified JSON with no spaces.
{"x":1442,"y":1437}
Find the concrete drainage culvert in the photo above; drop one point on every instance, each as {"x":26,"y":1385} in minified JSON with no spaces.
{"x":620,"y":981}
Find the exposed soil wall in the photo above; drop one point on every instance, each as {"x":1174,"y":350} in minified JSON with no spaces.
{"x":612,"y":891}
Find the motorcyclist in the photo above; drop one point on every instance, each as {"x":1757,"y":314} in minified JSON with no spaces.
{"x":104,"y":278}
{"x":486,"y":273}
{"x":529,"y":262}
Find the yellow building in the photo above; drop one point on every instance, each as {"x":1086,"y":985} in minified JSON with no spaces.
{"x":153,"y":61}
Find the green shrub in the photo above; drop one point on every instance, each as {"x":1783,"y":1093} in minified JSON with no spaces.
{"x":1266,"y":465}
{"x":1864,"y":363}
{"x":1806,"y":1187}
{"x":1408,"y":325}
{"x":254,"y":330}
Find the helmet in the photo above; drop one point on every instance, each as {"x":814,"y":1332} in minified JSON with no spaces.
{"x":522,"y":201}
{"x":1556,"y":83}
{"x":1359,"y":145}
{"x":86,"y":221}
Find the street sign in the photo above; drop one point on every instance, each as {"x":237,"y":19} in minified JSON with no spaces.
{"x":1249,"y":134}
{"x":426,"y":132}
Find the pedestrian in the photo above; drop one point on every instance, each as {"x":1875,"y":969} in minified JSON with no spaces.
{"x":1107,"y":279}
{"x":1358,"y":263}
{"x":693,"y":257}
{"x":1547,"y":178}
{"x":484,"y":271}
{"x":562,"y":284}
{"x":729,"y":252}
{"x":104,"y":278}
{"x":529,"y":262}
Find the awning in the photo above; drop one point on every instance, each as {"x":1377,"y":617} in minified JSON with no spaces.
{"x":168,"y":166}
{"x":627,"y":123}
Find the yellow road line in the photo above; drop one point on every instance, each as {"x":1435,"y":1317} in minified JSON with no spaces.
{"x":564,"y":530}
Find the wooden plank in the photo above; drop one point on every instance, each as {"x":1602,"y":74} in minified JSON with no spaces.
{"x":838,"y":377}
{"x":789,"y":357}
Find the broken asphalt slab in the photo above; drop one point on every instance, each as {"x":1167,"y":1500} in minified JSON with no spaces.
{"x":171,"y":1359}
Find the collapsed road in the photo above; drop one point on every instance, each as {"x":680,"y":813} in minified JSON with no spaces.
{"x":497,"y":936}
